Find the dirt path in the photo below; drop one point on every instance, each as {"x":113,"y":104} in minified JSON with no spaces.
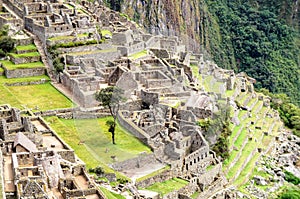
{"x":8,"y":175}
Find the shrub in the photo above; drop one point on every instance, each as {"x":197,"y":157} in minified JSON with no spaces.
{"x":291,"y":178}
{"x":7,"y":44}
{"x":290,"y":194}
{"x":2,"y":53}
{"x":99,"y":170}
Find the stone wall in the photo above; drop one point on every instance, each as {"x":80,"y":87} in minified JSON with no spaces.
{"x":22,"y":60}
{"x":133,"y":129}
{"x":105,"y":55}
{"x":67,"y":155}
{"x":16,"y":10}
{"x":149,"y":98}
{"x":26,"y":72}
{"x":41,"y":81}
{"x":134,"y":48}
{"x":9,"y":19}
{"x":163,"y":176}
{"x":140,"y":161}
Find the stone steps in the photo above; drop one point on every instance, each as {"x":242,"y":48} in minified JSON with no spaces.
{"x":247,"y":100}
{"x":237,"y":157}
{"x":42,"y":51}
{"x":244,"y":164}
{"x":237,"y":135}
{"x":258,"y":106}
{"x":251,"y":106}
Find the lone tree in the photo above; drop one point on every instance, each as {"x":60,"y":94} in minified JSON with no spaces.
{"x":111,"y":98}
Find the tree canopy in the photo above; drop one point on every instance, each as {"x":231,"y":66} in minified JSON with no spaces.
{"x":111,"y":98}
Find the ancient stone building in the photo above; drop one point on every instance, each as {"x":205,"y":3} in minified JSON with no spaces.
{"x":37,"y":162}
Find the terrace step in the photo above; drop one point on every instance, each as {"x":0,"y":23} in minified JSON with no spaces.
{"x":42,"y":50}
{"x":244,"y":164}
{"x":238,"y":155}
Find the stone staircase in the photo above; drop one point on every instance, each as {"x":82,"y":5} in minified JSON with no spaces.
{"x":42,"y":51}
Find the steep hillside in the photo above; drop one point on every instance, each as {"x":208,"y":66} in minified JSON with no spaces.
{"x":256,"y":36}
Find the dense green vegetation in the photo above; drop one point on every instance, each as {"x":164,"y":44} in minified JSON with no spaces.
{"x":252,"y":38}
{"x":289,"y":112}
{"x":6,"y":42}
{"x":220,"y":125}
{"x":167,"y":186}
{"x":291,"y":193}
{"x":291,"y":178}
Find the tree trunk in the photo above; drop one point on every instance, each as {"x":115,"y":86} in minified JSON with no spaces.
{"x":113,"y":137}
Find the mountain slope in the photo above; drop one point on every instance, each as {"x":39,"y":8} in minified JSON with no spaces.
{"x":256,"y":36}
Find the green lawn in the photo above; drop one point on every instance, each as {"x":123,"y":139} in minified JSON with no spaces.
{"x":45,"y":96}
{"x":167,"y":186}
{"x":11,"y":66}
{"x":31,"y":54}
{"x":97,"y":148}
{"x":111,"y":195}
{"x":138,"y":54}
{"x":27,"y":47}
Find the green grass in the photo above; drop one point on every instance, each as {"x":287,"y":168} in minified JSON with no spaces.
{"x":4,"y":80}
{"x":67,"y":37}
{"x":206,"y":82}
{"x":251,"y":102}
{"x":92,"y":52}
{"x":138,"y":54}
{"x":235,"y":130}
{"x":240,"y":139}
{"x":69,"y":6}
{"x":111,"y":195}
{"x":247,"y":170}
{"x":153,"y":173}
{"x":256,"y":106}
{"x":45,"y":96}
{"x":231,"y":157}
{"x":167,"y":186}
{"x":11,"y":66}
{"x":249,"y":147}
{"x":106,"y":32}
{"x":229,"y":93}
{"x":27,"y":47}
{"x":195,"y":195}
{"x":97,"y":148}
{"x":195,"y":71}
{"x":1,"y":70}
{"x":31,"y":54}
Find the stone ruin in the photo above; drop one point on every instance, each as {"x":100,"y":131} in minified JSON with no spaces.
{"x":165,"y":99}
{"x":35,"y":161}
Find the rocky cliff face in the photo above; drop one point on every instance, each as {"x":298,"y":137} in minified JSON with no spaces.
{"x":186,"y":18}
{"x":259,"y":37}
{"x":193,"y":18}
